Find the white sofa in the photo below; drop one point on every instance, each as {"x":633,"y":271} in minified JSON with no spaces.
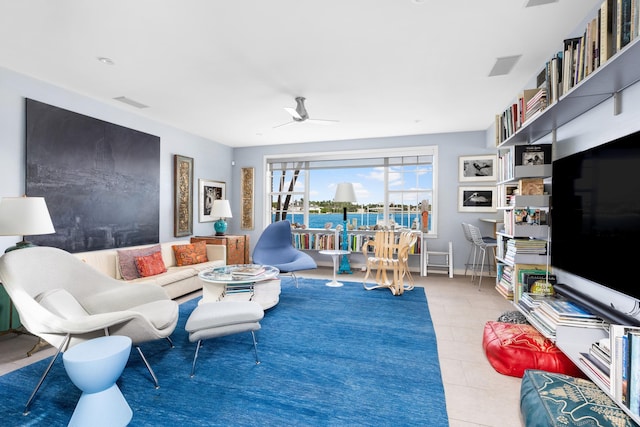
{"x":176,"y":281}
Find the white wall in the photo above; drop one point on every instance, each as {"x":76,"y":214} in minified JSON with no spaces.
{"x":211,"y":160}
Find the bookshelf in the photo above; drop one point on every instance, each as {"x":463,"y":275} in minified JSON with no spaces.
{"x":606,"y":76}
{"x":314,"y":240}
{"x":619,"y":72}
{"x":523,"y":243}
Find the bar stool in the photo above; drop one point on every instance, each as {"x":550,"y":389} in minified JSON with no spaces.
{"x":94,"y":366}
{"x":481,"y":245}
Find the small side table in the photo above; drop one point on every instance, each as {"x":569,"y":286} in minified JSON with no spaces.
{"x":335,"y":255}
{"x":94,"y":367}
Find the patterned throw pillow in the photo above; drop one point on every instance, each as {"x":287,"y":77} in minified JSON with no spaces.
{"x":127,"y":263}
{"x":193,"y":253}
{"x":150,"y":265}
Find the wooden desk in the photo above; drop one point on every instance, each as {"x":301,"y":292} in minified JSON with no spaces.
{"x":237,"y":246}
{"x":496,"y":222}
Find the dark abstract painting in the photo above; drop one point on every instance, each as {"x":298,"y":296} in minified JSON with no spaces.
{"x":101,"y":181}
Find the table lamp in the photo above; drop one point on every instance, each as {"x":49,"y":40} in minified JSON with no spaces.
{"x":220,"y":209}
{"x":24,"y":216}
{"x":345,"y":193}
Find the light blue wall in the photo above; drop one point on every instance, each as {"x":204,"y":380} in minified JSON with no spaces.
{"x":598,"y":126}
{"x":450,"y":147}
{"x":211,"y":160}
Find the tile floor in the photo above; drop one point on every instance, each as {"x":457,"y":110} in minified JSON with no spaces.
{"x":476,"y":395}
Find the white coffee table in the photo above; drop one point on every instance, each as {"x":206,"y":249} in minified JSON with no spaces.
{"x":335,"y":255}
{"x":264,"y":288}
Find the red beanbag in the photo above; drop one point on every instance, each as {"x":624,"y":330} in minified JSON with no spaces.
{"x":512,"y":348}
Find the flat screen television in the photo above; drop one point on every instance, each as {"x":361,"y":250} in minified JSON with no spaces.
{"x":595,"y":214}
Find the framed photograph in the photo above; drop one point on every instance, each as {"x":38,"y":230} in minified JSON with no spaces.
{"x":208,"y":192}
{"x":477,"y":199}
{"x":477,"y":168}
{"x":183,"y":196}
{"x":246,"y":204}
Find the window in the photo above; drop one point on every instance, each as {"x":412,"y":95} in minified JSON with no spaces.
{"x":392,"y":186}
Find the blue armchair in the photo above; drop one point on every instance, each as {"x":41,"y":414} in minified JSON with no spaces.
{"x":274,"y":247}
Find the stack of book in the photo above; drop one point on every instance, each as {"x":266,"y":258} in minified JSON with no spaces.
{"x":555,"y":312}
{"x":504,"y":285}
{"x":515,"y":247}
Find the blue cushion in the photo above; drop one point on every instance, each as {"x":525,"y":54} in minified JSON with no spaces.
{"x":549,"y":399}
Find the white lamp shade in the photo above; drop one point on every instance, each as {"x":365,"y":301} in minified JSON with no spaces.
{"x":24,"y":216}
{"x":221,"y":209}
{"x":345,"y":193}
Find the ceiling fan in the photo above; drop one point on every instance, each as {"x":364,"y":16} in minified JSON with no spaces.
{"x":299,"y":114}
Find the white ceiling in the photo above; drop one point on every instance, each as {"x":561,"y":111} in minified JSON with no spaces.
{"x":224,"y":70}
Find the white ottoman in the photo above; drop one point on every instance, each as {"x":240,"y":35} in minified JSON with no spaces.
{"x":217,"y":319}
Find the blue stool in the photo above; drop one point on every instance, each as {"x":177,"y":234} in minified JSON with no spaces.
{"x":94,"y":366}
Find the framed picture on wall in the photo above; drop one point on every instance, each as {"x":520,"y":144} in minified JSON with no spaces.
{"x":477,"y":168}
{"x":246,"y":205}
{"x":476,"y":199}
{"x":183,"y":196}
{"x":208,"y":191}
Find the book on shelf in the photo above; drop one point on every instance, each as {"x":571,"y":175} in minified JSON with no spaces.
{"x":532,"y":154}
{"x":565,"y":309}
{"x":596,"y":367}
{"x":538,"y":283}
{"x":600,"y":350}
{"x":531,"y":186}
{"x":631,"y":372}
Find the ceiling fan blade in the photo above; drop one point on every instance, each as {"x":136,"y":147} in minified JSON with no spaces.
{"x":284,"y":124}
{"x":293,"y":113}
{"x":322,"y":121}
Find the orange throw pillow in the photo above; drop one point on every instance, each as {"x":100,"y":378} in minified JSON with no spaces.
{"x":150,"y":265}
{"x":194,"y":253}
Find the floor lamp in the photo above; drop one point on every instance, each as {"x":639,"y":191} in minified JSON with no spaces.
{"x":345,"y":194}
{"x":23,"y":216}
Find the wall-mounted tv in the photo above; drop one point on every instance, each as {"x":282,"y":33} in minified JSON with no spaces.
{"x":595,"y":214}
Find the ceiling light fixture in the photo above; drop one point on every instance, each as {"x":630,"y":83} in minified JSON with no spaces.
{"x":504,"y":65}
{"x":106,"y":60}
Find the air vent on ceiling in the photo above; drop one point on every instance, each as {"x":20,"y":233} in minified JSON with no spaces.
{"x":504,"y":65}
{"x":130,"y":102}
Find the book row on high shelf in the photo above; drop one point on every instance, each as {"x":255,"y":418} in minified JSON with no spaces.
{"x":615,"y":360}
{"x":324,"y":241}
{"x":614,"y":26}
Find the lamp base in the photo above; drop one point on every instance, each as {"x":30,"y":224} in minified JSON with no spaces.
{"x":20,"y":245}
{"x":345,"y":267}
{"x":220,"y":226}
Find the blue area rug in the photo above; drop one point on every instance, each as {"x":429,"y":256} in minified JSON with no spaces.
{"x":329,"y":357}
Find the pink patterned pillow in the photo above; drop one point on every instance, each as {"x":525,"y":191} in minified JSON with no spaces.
{"x":150,"y":265}
{"x":127,"y":263}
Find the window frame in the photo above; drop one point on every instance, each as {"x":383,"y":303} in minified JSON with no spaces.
{"x":430,"y":150}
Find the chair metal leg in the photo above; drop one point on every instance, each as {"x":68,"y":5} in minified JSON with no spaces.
{"x":170,"y":342}
{"x":295,"y":278}
{"x":195,"y":357}
{"x":153,"y":375}
{"x":255,"y":347}
{"x":484,"y":253}
{"x":46,"y":372}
